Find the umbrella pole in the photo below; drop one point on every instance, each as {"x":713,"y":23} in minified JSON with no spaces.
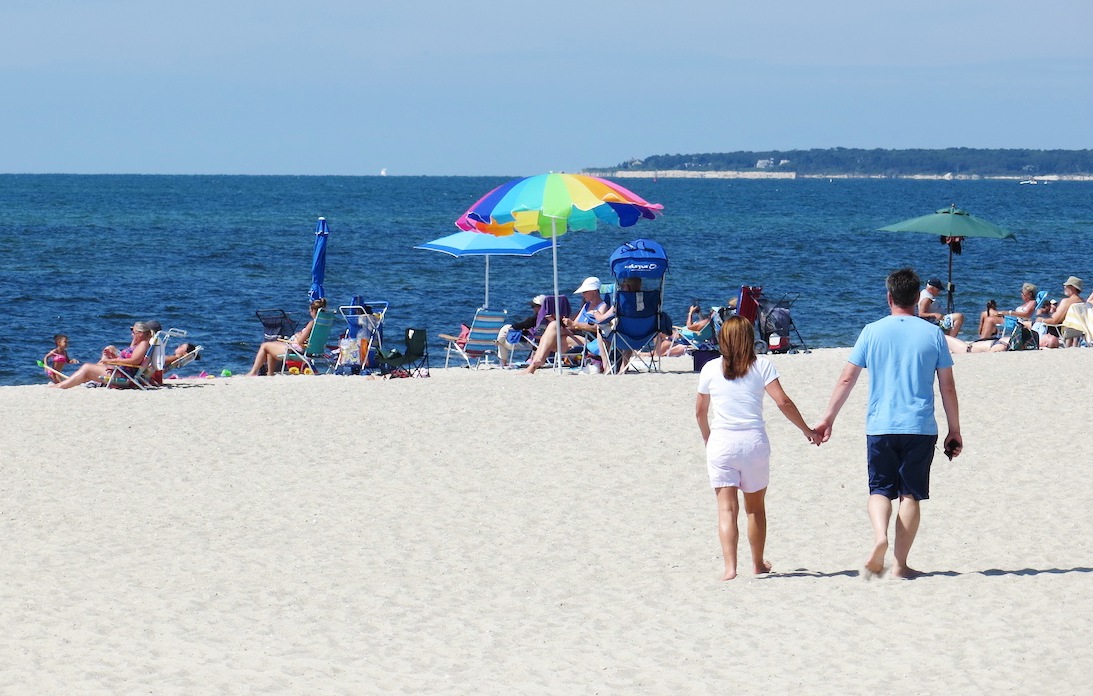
{"x":558,"y":332}
{"x":486,"y":301}
{"x":950,"y":285}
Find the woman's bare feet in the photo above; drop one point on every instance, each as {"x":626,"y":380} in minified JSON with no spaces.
{"x":875,"y":565}
{"x":905,"y":572}
{"x":729,"y":574}
{"x":532,"y":367}
{"x":763,"y":567}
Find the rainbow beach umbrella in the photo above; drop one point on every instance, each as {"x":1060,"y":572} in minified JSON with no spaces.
{"x":551,"y":205}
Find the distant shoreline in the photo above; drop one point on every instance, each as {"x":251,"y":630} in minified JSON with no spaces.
{"x":689,"y":174}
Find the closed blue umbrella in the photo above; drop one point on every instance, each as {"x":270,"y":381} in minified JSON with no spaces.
{"x":318,"y":261}
{"x":478,"y":244}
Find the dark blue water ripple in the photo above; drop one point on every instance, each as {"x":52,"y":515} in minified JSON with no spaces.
{"x":87,"y":255}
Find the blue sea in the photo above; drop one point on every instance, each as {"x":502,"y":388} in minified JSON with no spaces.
{"x":88,"y":255}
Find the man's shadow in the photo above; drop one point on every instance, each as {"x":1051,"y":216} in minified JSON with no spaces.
{"x":991,"y":572}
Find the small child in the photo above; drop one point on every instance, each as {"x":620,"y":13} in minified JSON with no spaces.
{"x":56,"y":359}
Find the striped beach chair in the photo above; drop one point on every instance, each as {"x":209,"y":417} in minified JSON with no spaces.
{"x":480,"y":341}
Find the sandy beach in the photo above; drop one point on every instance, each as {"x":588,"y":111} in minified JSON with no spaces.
{"x":495,"y":533}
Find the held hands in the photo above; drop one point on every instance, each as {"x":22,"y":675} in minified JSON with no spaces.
{"x":813,"y":437}
{"x":823,"y":430}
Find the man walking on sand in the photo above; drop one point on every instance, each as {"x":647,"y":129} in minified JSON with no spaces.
{"x":902,"y":353}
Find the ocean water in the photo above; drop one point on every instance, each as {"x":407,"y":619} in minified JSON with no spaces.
{"x":88,"y":255}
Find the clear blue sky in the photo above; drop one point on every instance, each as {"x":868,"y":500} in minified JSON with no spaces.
{"x":518,"y":88}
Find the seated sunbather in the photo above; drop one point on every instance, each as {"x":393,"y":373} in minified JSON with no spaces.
{"x":1072,"y":288}
{"x":180,"y":352}
{"x":130,"y":357}
{"x":575,"y":332}
{"x":930,"y":309}
{"x":270,"y":352}
{"x":991,"y":318}
{"x":697,"y":330}
{"x":504,"y":348}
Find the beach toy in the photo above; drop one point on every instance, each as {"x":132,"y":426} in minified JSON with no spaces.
{"x":294,"y":370}
{"x":225,"y":373}
{"x":307,"y":371}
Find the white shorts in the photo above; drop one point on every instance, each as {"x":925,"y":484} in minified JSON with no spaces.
{"x":738,"y":458}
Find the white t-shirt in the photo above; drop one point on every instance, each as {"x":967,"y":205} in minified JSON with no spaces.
{"x":736,"y":404}
{"x":931,"y":307}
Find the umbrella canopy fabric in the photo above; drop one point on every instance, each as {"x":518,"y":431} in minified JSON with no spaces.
{"x":552,"y":204}
{"x":478,"y":244}
{"x":951,"y":222}
{"x":952,"y":225}
{"x":318,"y":261}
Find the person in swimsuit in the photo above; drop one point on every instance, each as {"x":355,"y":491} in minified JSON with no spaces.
{"x":56,"y":359}
{"x":270,"y":352}
{"x":990,"y":319}
{"x":132,"y":356}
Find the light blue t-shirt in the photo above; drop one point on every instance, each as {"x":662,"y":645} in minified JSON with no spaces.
{"x":902,"y":355}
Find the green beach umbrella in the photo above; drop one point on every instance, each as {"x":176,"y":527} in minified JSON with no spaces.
{"x":951,"y":225}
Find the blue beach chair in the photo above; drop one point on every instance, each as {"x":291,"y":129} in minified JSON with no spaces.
{"x":638,"y":320}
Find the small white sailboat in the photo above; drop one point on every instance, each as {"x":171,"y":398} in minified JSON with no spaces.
{"x":1030,"y":181}
{"x":383,"y":172}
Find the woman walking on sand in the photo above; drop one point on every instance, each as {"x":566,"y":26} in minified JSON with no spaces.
{"x":737,"y":449}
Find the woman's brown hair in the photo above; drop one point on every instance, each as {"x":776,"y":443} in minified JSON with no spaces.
{"x":737,"y":344}
{"x":318,"y":304}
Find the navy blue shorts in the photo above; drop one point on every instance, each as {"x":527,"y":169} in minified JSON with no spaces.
{"x":899,"y":465}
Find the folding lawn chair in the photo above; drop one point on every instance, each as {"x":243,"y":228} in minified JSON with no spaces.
{"x":182,"y":360}
{"x":276,"y":323}
{"x":363,"y":337}
{"x":638,"y":321}
{"x":413,"y":361}
{"x":481,"y":338}
{"x":306,"y":361}
{"x":553,"y":306}
{"x":149,"y":374}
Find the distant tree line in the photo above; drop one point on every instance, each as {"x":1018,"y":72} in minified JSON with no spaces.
{"x":878,"y":162}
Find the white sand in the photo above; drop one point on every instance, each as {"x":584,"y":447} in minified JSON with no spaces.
{"x":496,"y":533}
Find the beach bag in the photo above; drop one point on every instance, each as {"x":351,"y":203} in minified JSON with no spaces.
{"x":1023,"y":338}
{"x":514,"y":336}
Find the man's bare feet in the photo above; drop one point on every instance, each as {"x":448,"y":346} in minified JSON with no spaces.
{"x":875,"y":565}
{"x":763,"y":567}
{"x":905,"y":572}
